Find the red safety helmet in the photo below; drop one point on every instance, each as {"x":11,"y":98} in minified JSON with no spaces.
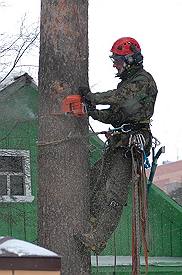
{"x":122,"y":46}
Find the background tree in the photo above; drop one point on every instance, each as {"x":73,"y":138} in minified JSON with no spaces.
{"x":63,"y":150}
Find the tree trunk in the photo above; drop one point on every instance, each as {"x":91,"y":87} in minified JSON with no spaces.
{"x":63,"y":199}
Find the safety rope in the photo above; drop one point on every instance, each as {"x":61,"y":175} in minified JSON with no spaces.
{"x":97,"y":263}
{"x":136,"y":237}
{"x":115,"y":254}
{"x":140,"y":224}
{"x":144,"y":213}
{"x":55,"y":142}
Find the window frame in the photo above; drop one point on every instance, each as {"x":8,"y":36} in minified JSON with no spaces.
{"x":27,"y":197}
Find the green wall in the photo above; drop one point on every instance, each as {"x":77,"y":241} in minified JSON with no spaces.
{"x":18,"y":131}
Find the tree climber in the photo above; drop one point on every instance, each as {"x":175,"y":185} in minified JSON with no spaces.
{"x":131,"y":105}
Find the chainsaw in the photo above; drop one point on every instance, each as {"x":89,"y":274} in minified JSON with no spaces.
{"x":76,"y":105}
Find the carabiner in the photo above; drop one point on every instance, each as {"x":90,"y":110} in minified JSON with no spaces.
{"x":123,"y":130}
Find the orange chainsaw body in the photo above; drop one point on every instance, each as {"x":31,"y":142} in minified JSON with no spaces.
{"x":73,"y":106}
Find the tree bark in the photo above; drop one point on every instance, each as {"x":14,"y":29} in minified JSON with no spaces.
{"x":63,"y":198}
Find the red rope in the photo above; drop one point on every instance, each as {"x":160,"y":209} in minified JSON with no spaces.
{"x":140,"y":215}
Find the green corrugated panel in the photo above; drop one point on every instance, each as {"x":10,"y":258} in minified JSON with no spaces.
{"x":176,"y":241}
{"x":157,"y":236}
{"x":124,"y":234}
{"x":166,"y":229}
{"x":165,"y":218}
{"x":170,"y":222}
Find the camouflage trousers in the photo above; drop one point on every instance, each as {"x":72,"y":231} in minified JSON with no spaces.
{"x":110,"y":183}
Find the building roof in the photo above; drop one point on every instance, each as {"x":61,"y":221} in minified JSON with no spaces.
{"x":21,"y":255}
{"x":17,"y":248}
{"x":16,"y":84}
{"x":12,"y":78}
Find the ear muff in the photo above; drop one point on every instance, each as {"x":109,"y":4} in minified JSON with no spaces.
{"x":138,"y":57}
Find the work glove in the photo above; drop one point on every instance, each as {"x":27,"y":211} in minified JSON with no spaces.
{"x":89,"y":105}
{"x":84,"y":91}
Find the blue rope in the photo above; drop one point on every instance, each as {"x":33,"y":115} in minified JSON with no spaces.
{"x":146,"y":160}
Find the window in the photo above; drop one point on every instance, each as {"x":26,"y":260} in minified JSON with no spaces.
{"x":15,"y":181}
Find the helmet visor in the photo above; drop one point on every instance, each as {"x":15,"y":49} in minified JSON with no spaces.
{"x":117,"y":59}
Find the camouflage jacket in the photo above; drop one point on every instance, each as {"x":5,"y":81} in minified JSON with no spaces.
{"x":132,"y":101}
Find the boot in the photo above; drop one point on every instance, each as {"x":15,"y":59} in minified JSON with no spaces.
{"x":89,"y":240}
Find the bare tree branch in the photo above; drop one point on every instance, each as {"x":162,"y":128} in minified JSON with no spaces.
{"x":21,"y":51}
{"x":12,"y":51}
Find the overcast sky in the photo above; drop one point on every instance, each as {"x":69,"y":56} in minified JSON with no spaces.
{"x":156,"y":25}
